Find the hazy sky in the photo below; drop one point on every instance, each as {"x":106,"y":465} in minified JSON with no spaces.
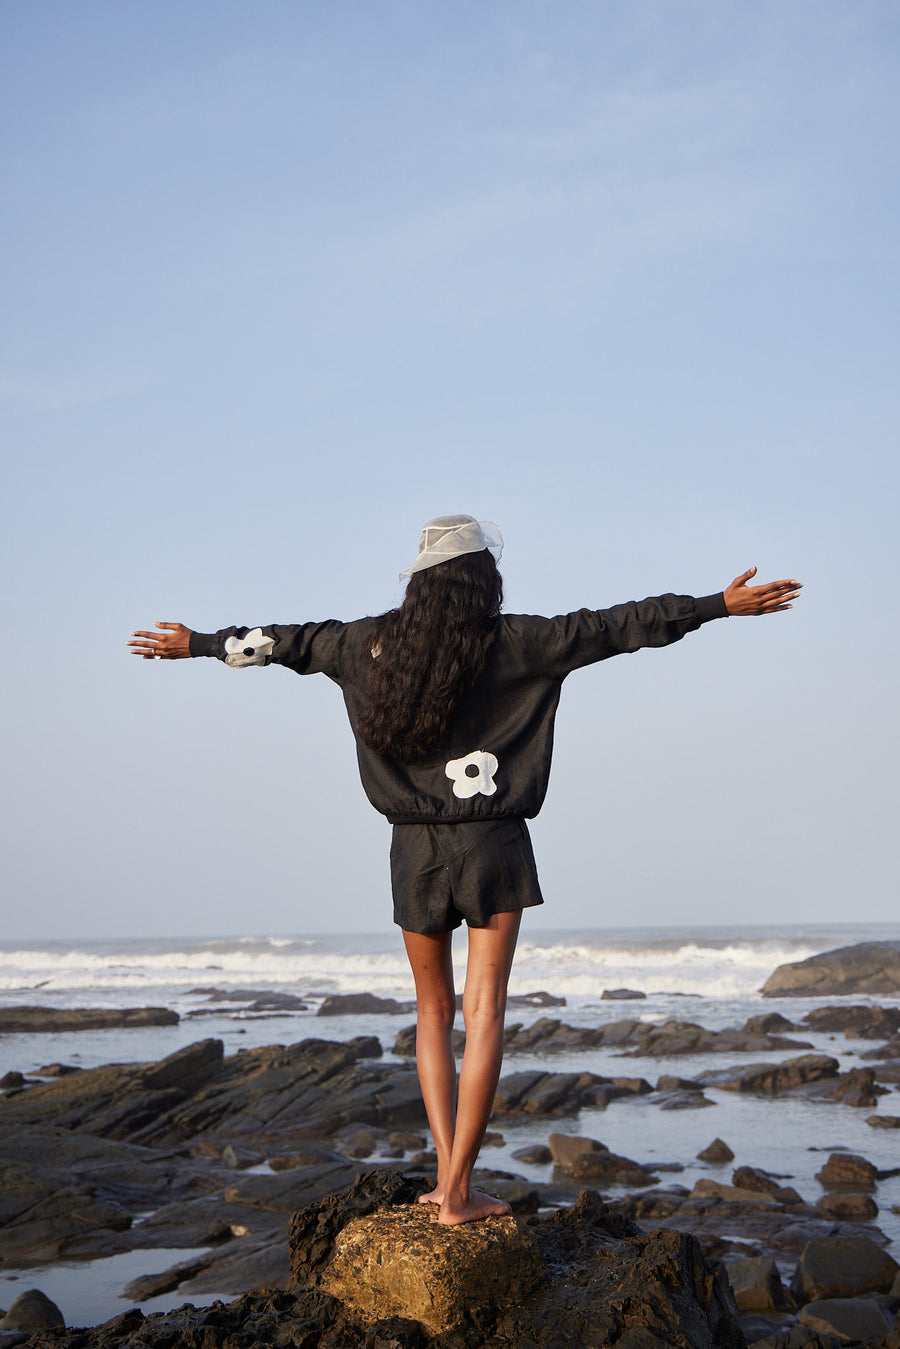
{"x":283,"y":280}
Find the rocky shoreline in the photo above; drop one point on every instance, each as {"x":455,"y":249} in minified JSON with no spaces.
{"x":216,"y":1153}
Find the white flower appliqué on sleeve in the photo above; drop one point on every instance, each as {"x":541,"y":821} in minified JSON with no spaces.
{"x":254,"y":649}
{"x":473,"y":774}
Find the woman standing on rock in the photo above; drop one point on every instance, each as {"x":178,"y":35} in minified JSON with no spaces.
{"x":452,"y":705}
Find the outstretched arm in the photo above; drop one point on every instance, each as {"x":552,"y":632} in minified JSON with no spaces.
{"x":173,"y":643}
{"x":741,"y":598}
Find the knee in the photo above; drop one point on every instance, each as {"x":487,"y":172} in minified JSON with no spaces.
{"x":484,"y":1009}
{"x":437,"y":1013}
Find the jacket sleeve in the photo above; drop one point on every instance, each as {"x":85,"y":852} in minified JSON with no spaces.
{"x":307,"y":648}
{"x":571,"y":641}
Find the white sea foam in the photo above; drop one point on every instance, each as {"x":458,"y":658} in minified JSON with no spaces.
{"x":714,"y":963}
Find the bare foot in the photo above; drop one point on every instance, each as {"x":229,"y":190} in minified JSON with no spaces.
{"x":435,"y":1196}
{"x":478,"y":1205}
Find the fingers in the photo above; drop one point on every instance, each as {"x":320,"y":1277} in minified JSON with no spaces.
{"x":744,"y":577}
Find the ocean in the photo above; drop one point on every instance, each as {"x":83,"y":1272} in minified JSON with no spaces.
{"x":711,"y":975}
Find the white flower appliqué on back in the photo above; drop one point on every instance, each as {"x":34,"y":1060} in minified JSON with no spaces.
{"x":254,"y":649}
{"x":473,"y":774}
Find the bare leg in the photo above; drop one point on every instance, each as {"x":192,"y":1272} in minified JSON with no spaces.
{"x":491,"y":950}
{"x":429,"y":956}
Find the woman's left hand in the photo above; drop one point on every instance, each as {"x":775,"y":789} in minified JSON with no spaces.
{"x":772,"y":598}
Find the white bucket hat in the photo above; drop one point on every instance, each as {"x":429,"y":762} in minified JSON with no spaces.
{"x":451,"y":536}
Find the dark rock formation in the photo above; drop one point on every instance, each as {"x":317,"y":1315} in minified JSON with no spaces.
{"x":865,"y":1021}
{"x":30,"y":1020}
{"x":637,"y":1038}
{"x":254,"y":999}
{"x":622,"y":995}
{"x":582,"y":1277}
{"x":816,"y":1077}
{"x":685,"y":1037}
{"x":355,"y":1004}
{"x":868,"y":967}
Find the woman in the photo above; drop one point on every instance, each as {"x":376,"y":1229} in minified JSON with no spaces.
{"x":452,"y":706}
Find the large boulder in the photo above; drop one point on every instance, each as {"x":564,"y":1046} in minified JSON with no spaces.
{"x":756,"y":1284}
{"x":401,"y":1261}
{"x":868,"y":967}
{"x":839,"y":1267}
{"x":31,"y":1311}
{"x":847,"y":1170}
{"x":851,"y":1320}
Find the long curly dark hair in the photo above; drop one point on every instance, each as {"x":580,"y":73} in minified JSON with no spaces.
{"x":430,"y":651}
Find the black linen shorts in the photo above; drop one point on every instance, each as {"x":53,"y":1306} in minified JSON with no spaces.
{"x":444,"y":873}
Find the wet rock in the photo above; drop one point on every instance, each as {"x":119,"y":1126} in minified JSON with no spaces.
{"x":768,"y":1023}
{"x":256,"y":999}
{"x":689,"y":1099}
{"x":755,"y":1178}
{"x":867,"y":967}
{"x":847,"y":1169}
{"x":10,"y":1080}
{"x":538,"y":1093}
{"x":538,"y":999}
{"x":407,"y":1141}
{"x":190,"y":1066}
{"x":669,"y":1083}
{"x":361,"y":1004}
{"x":852,"y":1320}
{"x":853,"y":1207}
{"x":716,"y":1152}
{"x":31,"y":1020}
{"x":316,"y":1086}
{"x":842,"y":1267}
{"x":685,"y":1037}
{"x":715,"y":1189}
{"x":884,"y":1121}
{"x":58,"y":1070}
{"x":607,"y":1168}
{"x":756,"y":1284}
{"x":621,"y":995}
{"x":32,"y":1311}
{"x":365,"y":1046}
{"x":537,"y":1153}
{"x":770,"y":1079}
{"x":565,"y":1149}
{"x":864,"y":1020}
{"x":401,"y":1261}
{"x":405,"y":1043}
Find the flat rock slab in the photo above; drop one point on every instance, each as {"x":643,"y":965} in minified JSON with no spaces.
{"x":402,"y":1262}
{"x":867,"y":967}
{"x":53,"y":1020}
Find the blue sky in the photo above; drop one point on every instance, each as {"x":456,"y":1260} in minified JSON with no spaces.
{"x":283,"y":281}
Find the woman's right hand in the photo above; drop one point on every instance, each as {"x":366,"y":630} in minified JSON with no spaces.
{"x":173,"y":643}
